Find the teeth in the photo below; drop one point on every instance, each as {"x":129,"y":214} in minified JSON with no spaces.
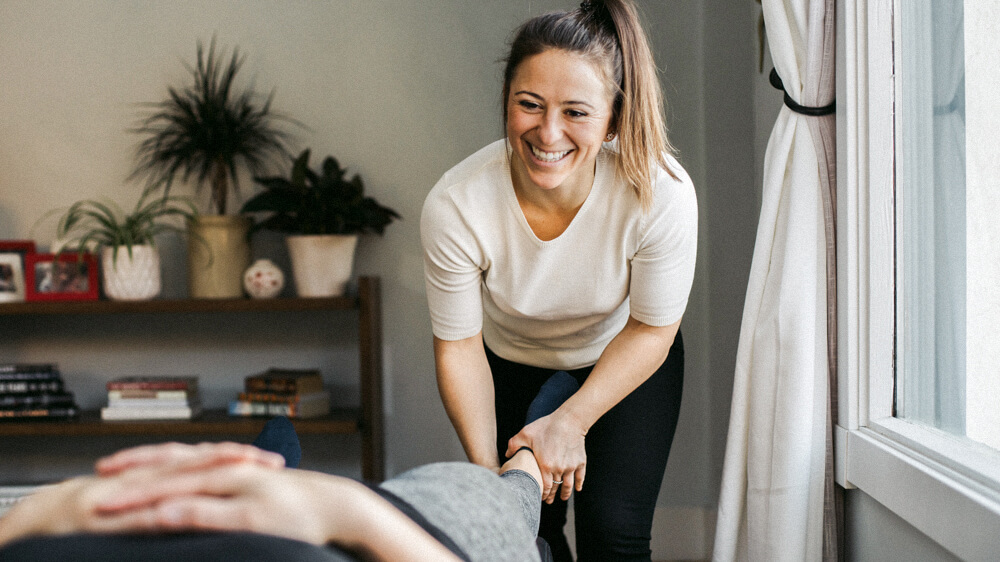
{"x":547,"y":156}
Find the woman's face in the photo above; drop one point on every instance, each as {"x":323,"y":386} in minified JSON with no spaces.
{"x":558,"y":114}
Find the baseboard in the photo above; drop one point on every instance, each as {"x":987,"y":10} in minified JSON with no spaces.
{"x":679,"y":533}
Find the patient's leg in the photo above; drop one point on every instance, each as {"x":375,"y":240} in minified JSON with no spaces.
{"x":278,"y":436}
{"x":556,"y":390}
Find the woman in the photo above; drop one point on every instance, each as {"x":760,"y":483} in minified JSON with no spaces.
{"x":569,"y":245}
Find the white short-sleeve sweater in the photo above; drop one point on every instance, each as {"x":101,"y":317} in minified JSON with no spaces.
{"x":557,"y":303}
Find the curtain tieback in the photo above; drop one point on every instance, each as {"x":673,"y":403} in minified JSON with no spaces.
{"x":813,"y":111}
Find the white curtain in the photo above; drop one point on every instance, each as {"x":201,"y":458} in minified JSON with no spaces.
{"x":777,"y":491}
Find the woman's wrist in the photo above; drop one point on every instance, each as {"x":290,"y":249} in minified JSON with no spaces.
{"x":574,"y":415}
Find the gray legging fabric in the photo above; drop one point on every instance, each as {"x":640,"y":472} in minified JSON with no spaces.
{"x":489,"y":518}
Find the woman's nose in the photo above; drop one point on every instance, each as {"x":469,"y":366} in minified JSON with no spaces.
{"x":550,"y":129}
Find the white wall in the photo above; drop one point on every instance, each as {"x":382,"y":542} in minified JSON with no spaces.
{"x":398,"y":91}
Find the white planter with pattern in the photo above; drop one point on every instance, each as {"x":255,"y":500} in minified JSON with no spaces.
{"x":134,"y":277}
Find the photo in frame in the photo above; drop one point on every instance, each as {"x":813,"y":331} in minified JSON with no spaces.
{"x":11,"y":277}
{"x":62,"y":277}
{"x":22,"y":247}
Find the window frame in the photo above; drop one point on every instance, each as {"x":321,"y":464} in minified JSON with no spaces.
{"x":944,"y":486}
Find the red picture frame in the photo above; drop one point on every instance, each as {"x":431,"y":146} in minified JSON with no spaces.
{"x":62,"y":277}
{"x":23,"y":247}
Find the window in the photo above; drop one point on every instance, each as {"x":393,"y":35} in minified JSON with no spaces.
{"x":942,"y":242}
{"x":918,"y":257}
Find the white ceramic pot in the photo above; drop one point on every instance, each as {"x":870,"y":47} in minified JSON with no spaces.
{"x":134,"y":277}
{"x":263,"y":280}
{"x":322,"y":263}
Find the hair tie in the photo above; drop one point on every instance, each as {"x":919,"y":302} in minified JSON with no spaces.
{"x":586,"y":6}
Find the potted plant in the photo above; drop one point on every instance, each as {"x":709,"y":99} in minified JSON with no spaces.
{"x":129,"y":259}
{"x":323,"y":213}
{"x":209,"y":132}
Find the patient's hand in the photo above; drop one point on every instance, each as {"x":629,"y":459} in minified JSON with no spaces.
{"x":64,"y":508}
{"x":242,"y":496}
{"x":186,"y":457}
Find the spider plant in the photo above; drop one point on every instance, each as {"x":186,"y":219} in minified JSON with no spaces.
{"x":102,"y":223}
{"x":208,"y":131}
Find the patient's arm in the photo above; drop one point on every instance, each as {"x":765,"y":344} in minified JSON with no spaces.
{"x":186,"y":456}
{"x":302,"y":505}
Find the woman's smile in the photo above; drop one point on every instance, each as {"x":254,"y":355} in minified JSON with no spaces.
{"x":546,"y":156}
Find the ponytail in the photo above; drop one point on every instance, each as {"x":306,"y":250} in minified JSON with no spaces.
{"x":610,"y":34}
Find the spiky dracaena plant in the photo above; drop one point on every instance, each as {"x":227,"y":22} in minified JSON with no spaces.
{"x":91,"y":222}
{"x":318,"y":203}
{"x":208,"y":131}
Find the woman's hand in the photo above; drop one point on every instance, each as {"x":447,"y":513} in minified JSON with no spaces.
{"x":186,"y":457}
{"x":558,"y":443}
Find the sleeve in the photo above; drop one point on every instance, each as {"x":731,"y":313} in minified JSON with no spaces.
{"x":452,"y":274}
{"x":663,"y":265}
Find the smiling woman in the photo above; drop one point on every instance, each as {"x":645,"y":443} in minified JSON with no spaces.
{"x":557,"y":249}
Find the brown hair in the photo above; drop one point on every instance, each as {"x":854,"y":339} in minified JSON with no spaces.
{"x":609,"y":34}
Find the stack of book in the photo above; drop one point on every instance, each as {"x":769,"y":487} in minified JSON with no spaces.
{"x":34,"y":391}
{"x":296,"y":393}
{"x":152,"y":398}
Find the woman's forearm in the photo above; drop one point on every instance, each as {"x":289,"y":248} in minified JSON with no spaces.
{"x":631,"y":358}
{"x":466,"y":386}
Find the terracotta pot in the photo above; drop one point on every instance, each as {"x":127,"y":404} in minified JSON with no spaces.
{"x":218,"y":254}
{"x":134,"y":277}
{"x":322,"y":263}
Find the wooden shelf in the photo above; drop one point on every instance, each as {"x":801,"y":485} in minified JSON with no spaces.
{"x":210,"y":422}
{"x":158,"y":306}
{"x":366,"y":420}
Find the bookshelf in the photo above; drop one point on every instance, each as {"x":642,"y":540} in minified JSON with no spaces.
{"x":366,"y":419}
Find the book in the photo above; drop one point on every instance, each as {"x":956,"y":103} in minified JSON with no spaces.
{"x":55,"y":412}
{"x":150,"y":394}
{"x":281,"y":397}
{"x":14,"y":373}
{"x":151,"y":402}
{"x":31,"y":387}
{"x":308,"y":405}
{"x":150,"y":413}
{"x":14,"y":368}
{"x":153,"y":383}
{"x":36,"y":400}
{"x":288,"y":381}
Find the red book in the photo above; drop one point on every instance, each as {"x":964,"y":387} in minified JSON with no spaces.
{"x":153,"y":383}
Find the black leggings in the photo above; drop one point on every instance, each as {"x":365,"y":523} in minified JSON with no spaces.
{"x":627,"y":453}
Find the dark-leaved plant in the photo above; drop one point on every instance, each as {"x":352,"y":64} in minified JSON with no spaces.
{"x":324,"y":202}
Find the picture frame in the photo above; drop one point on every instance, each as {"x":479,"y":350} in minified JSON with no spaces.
{"x":60,"y":277}
{"x":22,"y":247}
{"x":12,"y":285}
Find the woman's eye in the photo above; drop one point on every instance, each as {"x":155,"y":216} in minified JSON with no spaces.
{"x":528,"y":104}
{"x":575,"y":113}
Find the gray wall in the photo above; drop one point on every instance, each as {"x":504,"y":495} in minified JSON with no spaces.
{"x":874,"y":533}
{"x":398,"y":91}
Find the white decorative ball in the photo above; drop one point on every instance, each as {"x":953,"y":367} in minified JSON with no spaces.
{"x":263,"y":279}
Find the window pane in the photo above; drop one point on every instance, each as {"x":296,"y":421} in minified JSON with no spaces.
{"x":931,"y":216}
